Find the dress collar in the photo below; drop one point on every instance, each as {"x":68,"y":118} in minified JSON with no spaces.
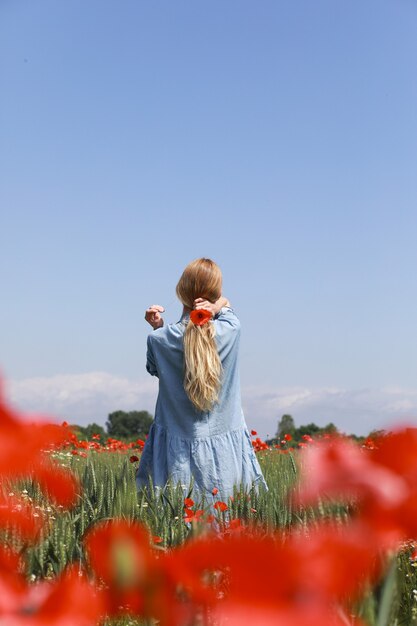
{"x":185,"y":318}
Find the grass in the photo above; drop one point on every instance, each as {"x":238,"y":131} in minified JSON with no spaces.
{"x":109,"y":491}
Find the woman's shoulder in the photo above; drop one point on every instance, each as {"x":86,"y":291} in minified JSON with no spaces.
{"x":225,"y":321}
{"x":166,"y":333}
{"x":227,"y":317}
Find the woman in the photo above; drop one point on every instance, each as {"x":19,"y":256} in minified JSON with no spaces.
{"x":199,"y":429}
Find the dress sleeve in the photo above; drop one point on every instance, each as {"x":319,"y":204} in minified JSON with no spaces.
{"x":150,"y":359}
{"x":227,"y":329}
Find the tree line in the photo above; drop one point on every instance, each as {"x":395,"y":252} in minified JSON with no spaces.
{"x":123,"y":425}
{"x":286,"y":426}
{"x":132,"y":425}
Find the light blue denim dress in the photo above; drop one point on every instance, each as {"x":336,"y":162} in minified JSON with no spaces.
{"x":215,"y":446}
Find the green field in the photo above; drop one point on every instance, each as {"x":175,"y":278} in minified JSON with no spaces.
{"x":108,"y":481}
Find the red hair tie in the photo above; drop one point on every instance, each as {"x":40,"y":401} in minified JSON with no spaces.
{"x":200,"y":317}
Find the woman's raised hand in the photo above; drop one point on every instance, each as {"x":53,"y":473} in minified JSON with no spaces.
{"x":153,"y":316}
{"x":213,"y":307}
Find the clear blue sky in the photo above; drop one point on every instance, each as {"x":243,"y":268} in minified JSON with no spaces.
{"x":277,"y":137}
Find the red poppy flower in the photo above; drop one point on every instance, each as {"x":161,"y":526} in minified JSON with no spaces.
{"x":200,"y":317}
{"x":13,"y":581}
{"x":221,"y":506}
{"x":137,"y":581}
{"x":22,"y":516}
{"x":188,"y":503}
{"x":133,"y":458}
{"x":253,"y":433}
{"x":235,"y":614}
{"x":22,"y":453}
{"x":190,"y":516}
{"x":313,"y":582}
{"x":382,"y":480}
{"x":214,"y":491}
{"x":120,"y":555}
{"x":235,"y":524}
{"x":287,"y":437}
{"x":57,"y":483}
{"x":22,"y":443}
{"x":69,"y":599}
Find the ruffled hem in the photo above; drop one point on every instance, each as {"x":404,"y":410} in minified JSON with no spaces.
{"x":220,"y":461}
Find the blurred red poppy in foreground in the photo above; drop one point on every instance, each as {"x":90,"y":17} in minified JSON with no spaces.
{"x":293,"y":581}
{"x":297,"y":580}
{"x":120,"y":555}
{"x":340,"y":469}
{"x":137,"y":581}
{"x":57,"y":483}
{"x":286,"y":582}
{"x":22,"y":443}
{"x":382,"y":480}
{"x":22,"y":453}
{"x":12,"y":582}
{"x":20,"y":515}
{"x":68,"y":600}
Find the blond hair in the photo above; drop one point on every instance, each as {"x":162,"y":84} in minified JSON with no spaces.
{"x":201,"y":278}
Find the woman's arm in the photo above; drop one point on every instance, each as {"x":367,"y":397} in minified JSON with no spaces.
{"x":150,"y":359}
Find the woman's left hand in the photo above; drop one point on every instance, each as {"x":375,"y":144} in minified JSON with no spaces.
{"x":213,"y":307}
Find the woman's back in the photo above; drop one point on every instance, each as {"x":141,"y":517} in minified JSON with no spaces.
{"x":213,"y":447}
{"x":165,"y":359}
